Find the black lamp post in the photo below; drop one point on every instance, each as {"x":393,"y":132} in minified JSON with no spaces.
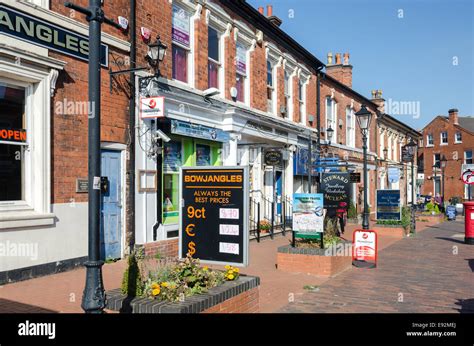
{"x":412,"y":150}
{"x":385,"y":153}
{"x":363,"y":119}
{"x":443,"y":167}
{"x":329,"y":134}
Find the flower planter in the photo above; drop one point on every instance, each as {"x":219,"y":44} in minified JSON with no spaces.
{"x":327,"y":262}
{"x":239,"y":296}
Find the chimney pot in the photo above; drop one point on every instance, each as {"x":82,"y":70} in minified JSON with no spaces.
{"x":379,"y":93}
{"x":269,"y":10}
{"x":338,"y":58}
{"x":453,"y":116}
{"x":346,"y":58}
{"x":374,"y":94}
{"x":329,"y":58}
{"x":260,"y":9}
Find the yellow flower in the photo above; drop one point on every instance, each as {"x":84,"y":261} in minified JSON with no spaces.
{"x":205,"y":268}
{"x":227,"y":267}
{"x":164,"y":284}
{"x":155,"y":286}
{"x":236,"y":270}
{"x":231,"y":277}
{"x":231,"y":271}
{"x":156,"y":291}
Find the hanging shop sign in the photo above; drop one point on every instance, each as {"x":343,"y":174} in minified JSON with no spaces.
{"x":180,"y":26}
{"x":214,"y":214}
{"x":336,"y":189}
{"x":12,"y":136}
{"x":241,"y":58}
{"x":152,"y":107}
{"x":393,"y":174}
{"x":388,"y":205}
{"x":467,"y":174}
{"x":365,"y":246}
{"x":273,"y":157}
{"x":406,"y":156}
{"x":354,"y":177}
{"x":27,"y":28}
{"x":198,"y":131}
{"x":308,"y":213}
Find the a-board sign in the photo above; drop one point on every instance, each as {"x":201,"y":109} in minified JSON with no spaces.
{"x":308,"y":213}
{"x":273,"y":158}
{"x":214,"y":214}
{"x":451,"y":212}
{"x":336,"y":189}
{"x":388,"y":205}
{"x":365,"y":245}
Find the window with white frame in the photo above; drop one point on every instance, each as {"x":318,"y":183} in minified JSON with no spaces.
{"x":444,"y":138}
{"x":437,"y":160}
{"x":302,"y":98}
{"x":350,"y":127}
{"x":241,"y":71}
{"x":429,"y":139}
{"x":270,"y":87}
{"x":331,"y":115}
{"x":468,"y":157}
{"x":458,"y":137}
{"x":214,"y":63}
{"x":287,"y":91}
{"x":181,"y":44}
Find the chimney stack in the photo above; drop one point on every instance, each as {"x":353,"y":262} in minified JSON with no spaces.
{"x":260,"y":9}
{"x":378,"y":99}
{"x":453,"y":116}
{"x":341,"y":71}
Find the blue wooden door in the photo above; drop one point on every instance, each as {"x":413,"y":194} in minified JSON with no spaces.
{"x":279,"y":190}
{"x":111,"y":205}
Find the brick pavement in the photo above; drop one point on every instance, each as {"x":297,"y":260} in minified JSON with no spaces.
{"x":431,"y":272}
{"x":63,"y":292}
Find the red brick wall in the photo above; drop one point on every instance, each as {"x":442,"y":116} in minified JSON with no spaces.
{"x":246,"y":302}
{"x":165,"y":248}
{"x":311,"y":101}
{"x":311,"y":264}
{"x":453,"y":185}
{"x":230,"y":68}
{"x":296,"y":102}
{"x":258,"y":80}
{"x":280,"y":89}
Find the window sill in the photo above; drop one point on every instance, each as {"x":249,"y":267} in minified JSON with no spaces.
{"x":25,"y":220}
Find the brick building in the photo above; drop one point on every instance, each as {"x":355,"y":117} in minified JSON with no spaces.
{"x":450,"y":136}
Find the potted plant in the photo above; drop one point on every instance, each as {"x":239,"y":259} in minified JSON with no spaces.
{"x":265,"y":226}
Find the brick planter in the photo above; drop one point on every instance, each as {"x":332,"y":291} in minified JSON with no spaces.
{"x":240,"y":296}
{"x":327,"y":262}
{"x":390,"y":230}
{"x":432,"y":219}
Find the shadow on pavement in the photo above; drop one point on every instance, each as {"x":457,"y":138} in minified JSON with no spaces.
{"x":10,"y":307}
{"x":471,"y":263}
{"x":467,"y":306}
{"x":451,"y":239}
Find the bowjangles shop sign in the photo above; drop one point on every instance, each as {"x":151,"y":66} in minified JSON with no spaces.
{"x":214,"y":214}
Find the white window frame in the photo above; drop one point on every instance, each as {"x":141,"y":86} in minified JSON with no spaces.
{"x":465,"y":155}
{"x":428,"y":137}
{"x":456,"y":141}
{"x":274,"y":55}
{"x":271,"y":87}
{"x":331,"y":119}
{"x":382,"y":145}
{"x":350,"y":127}
{"x":441,"y":138}
{"x":38,"y":74}
{"x":42,"y":3}
{"x":302,"y":99}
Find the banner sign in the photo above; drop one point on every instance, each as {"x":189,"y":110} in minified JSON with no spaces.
{"x":336,"y":189}
{"x":393,"y":174}
{"x":180,"y":26}
{"x":241,"y":58}
{"x":24,"y":27}
{"x":365,"y":245}
{"x":214,"y":214}
{"x":388,"y":205}
{"x":152,"y":107}
{"x":273,"y":158}
{"x":198,"y":131}
{"x":308,"y":213}
{"x":13,"y":136}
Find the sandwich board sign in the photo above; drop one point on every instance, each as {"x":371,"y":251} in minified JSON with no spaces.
{"x":214,"y":214}
{"x":364,"y":251}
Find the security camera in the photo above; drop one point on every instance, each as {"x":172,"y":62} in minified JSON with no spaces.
{"x":211,"y":92}
{"x":162,"y":136}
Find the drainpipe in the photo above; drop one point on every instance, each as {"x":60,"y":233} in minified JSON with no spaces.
{"x":131,"y":158}
{"x":320,"y":76}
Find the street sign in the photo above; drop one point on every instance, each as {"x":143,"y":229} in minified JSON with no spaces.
{"x":365,"y":246}
{"x":214,"y":214}
{"x":467,"y":175}
{"x":388,"y":205}
{"x":336,"y":189}
{"x":308,"y":213}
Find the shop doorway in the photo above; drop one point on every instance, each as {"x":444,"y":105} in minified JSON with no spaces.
{"x":111,"y":206}
{"x":279,"y":190}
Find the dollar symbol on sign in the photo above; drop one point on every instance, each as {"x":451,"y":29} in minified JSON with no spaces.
{"x":191,"y":248}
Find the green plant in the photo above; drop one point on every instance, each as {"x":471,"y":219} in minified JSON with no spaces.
{"x":265,"y":225}
{"x":132,"y":283}
{"x":406,"y":217}
{"x":389,"y":222}
{"x":352,"y":212}
{"x":432,"y":208}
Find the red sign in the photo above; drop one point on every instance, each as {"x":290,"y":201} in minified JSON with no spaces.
{"x":364,"y":245}
{"x":152,"y":107}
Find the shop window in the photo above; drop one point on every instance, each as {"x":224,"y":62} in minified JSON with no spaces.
{"x":180,"y":33}
{"x":203,"y":155}
{"x":12,"y":119}
{"x":172,"y":161}
{"x":213,"y":58}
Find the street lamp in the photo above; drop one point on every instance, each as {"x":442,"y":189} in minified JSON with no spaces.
{"x":364,"y":117}
{"x":385,"y":154}
{"x":156,"y":54}
{"x":330,"y":134}
{"x":411,"y":147}
{"x":443,"y":167}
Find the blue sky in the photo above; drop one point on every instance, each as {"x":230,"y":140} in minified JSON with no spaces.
{"x":414,"y":50}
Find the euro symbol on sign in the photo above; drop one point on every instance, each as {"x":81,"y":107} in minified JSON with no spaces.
{"x":191,"y":248}
{"x":189,"y":230}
